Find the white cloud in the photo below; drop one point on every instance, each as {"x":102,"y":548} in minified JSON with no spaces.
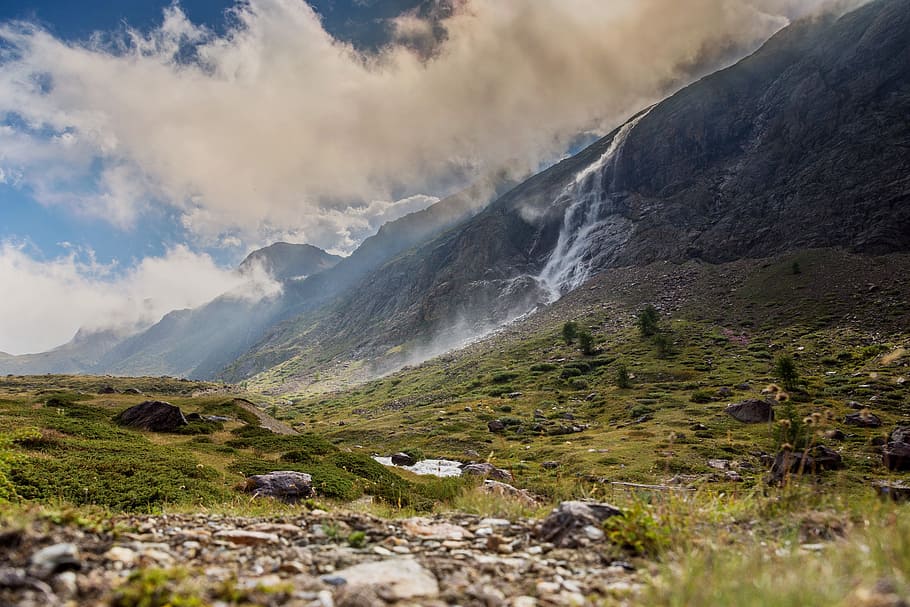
{"x":44,"y":303}
{"x":278,"y":124}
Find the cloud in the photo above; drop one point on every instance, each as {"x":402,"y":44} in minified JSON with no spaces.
{"x":276,"y":125}
{"x":44,"y":303}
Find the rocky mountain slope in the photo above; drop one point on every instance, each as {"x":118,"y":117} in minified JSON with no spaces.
{"x":803,"y":144}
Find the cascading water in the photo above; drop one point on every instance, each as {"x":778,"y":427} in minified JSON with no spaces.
{"x":588,"y":196}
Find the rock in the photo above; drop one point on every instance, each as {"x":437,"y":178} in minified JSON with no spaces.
{"x":154,"y":415}
{"x":426,"y":528}
{"x":391,"y":580}
{"x":471,"y":453}
{"x":120,"y":554}
{"x":132,"y":391}
{"x":901,"y":434}
{"x":567,"y":416}
{"x":566,"y":524}
{"x":550,"y":465}
{"x":897,"y":491}
{"x":744,"y":387}
{"x":194,"y":417}
{"x":698,"y":427}
{"x":896,"y":456}
{"x":835,"y":435}
{"x":852,"y":404}
{"x":751,"y":411}
{"x":496,"y":426}
{"x":284,"y":485}
{"x":720,"y":464}
{"x":515,"y":395}
{"x":863,"y":419}
{"x":505,"y":490}
{"x":55,"y":559}
{"x":487,"y":470}
{"x":106,"y":390}
{"x":403,"y":459}
{"x":539,"y":414}
{"x":813,"y":461}
{"x":246,"y":538}
{"x":724,"y":392}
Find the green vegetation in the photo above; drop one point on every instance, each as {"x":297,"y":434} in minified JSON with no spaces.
{"x":785,"y":368}
{"x":649,"y":321}
{"x":570,"y":331}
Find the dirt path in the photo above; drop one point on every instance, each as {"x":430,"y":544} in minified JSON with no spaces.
{"x":265,"y":420}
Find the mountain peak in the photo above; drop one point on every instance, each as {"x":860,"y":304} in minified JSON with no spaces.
{"x":288,"y":261}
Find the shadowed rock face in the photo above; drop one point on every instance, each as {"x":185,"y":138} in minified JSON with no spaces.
{"x":154,"y":415}
{"x":751,"y":411}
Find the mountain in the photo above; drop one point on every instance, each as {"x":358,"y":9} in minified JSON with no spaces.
{"x":802,"y":145}
{"x":285,"y":261}
{"x":201,"y":342}
{"x":80,"y":353}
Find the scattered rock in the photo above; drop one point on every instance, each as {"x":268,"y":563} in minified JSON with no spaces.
{"x":744,"y":387}
{"x":565,"y":525}
{"x":813,"y":461}
{"x":514,"y":395}
{"x":863,"y":419}
{"x":698,"y":427}
{"x":284,"y":485}
{"x":154,"y":415}
{"x":751,"y":411}
{"x":852,"y":404}
{"x":496,"y":426}
{"x":194,"y":417}
{"x":55,"y":559}
{"x":487,"y":470}
{"x":901,"y":434}
{"x":724,"y":392}
{"x":505,"y":490}
{"x":391,"y":580}
{"x":247,"y":538}
{"x":132,"y":391}
{"x":897,"y":491}
{"x":106,"y":390}
{"x":835,"y":435}
{"x":403,"y":459}
{"x":896,"y":456}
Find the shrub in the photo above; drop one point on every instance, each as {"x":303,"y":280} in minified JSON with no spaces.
{"x":648,"y":321}
{"x":542,"y":367}
{"x":785,"y":368}
{"x":579,"y":384}
{"x":570,"y":332}
{"x":664,"y":345}
{"x":586,"y":343}
{"x":638,"y":532}
{"x":623,"y":377}
{"x":504,"y":377}
{"x":570,"y":372}
{"x":701,"y":396}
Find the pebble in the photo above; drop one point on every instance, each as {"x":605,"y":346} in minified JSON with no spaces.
{"x":247,"y":538}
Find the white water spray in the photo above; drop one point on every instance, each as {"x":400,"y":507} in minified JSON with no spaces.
{"x":588,"y":195}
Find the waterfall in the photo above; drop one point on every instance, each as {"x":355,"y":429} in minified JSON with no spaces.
{"x":588,"y":195}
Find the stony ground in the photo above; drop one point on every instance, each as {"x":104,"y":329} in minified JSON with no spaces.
{"x":315,"y":559}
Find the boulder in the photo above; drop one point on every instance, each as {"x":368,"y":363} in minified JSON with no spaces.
{"x":487,"y":470}
{"x":496,"y":426}
{"x":506,"y":490}
{"x":812,"y":461}
{"x":896,"y":456}
{"x":751,"y":411}
{"x":898,"y":492}
{"x":284,"y":485}
{"x":107,"y":390}
{"x":901,"y":434}
{"x":724,"y":392}
{"x":154,"y":415}
{"x":863,"y":419}
{"x":132,"y":391}
{"x":566,"y":525}
{"x":392,"y":580}
{"x":403,"y":459}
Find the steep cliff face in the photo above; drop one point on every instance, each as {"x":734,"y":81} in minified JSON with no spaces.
{"x":803,"y":144}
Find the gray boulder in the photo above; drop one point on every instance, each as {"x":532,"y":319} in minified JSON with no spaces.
{"x":896,"y":456}
{"x":487,"y":470}
{"x":154,"y":415}
{"x":403,"y":459}
{"x":284,"y":485}
{"x":570,"y":522}
{"x":812,"y":461}
{"x":751,"y":411}
{"x":863,"y":419}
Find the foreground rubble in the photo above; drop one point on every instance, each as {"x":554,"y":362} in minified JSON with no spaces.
{"x":315,"y":559}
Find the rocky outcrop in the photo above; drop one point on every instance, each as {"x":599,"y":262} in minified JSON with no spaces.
{"x":487,"y":470}
{"x":154,"y":415}
{"x":751,"y":411}
{"x":286,"y":486}
{"x":863,"y":419}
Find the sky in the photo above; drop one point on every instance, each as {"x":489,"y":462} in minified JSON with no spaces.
{"x":147,"y":146}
